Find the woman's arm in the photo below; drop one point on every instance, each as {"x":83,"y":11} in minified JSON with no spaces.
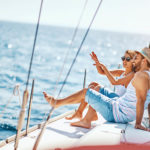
{"x":122,"y":81}
{"x":115,"y":73}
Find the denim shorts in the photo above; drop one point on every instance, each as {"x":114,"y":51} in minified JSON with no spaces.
{"x":102,"y":102}
{"x":105,"y":91}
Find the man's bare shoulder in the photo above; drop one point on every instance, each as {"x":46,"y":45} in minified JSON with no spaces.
{"x":141,"y":75}
{"x":140,"y":78}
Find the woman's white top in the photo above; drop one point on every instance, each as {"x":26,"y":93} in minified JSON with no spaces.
{"x":120,"y":89}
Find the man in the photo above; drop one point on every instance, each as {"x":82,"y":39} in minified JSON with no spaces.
{"x":141,"y":83}
{"x":124,"y":109}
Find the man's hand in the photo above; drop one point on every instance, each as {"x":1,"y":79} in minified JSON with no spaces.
{"x":138,"y":126}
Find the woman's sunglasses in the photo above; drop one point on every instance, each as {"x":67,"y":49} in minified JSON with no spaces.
{"x":125,"y":58}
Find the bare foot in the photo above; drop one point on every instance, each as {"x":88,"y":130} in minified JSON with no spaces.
{"x":77,"y":114}
{"x":50,"y":99}
{"x":82,"y":124}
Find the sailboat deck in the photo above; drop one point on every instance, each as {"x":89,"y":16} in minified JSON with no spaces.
{"x":59,"y":134}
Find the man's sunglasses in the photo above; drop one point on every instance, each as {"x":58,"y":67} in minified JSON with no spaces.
{"x":125,"y":58}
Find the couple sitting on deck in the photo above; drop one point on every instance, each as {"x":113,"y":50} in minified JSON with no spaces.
{"x":125,"y":106}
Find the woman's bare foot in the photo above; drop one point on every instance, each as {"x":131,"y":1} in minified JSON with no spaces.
{"x":77,"y":115}
{"x":83,"y":123}
{"x":50,"y":99}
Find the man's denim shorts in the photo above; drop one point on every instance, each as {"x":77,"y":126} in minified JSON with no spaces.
{"x":105,"y":91}
{"x":102,"y":102}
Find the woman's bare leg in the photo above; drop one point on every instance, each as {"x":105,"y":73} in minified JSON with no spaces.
{"x":75,"y":98}
{"x":79,"y":112}
{"x":92,"y":85}
{"x":86,"y":121}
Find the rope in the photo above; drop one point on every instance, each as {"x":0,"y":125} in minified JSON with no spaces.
{"x":16,"y":92}
{"x":80,"y":48}
{"x":35,"y":37}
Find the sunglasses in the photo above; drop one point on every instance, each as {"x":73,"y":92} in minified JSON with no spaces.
{"x":125,"y":58}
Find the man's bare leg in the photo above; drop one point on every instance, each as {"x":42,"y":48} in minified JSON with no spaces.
{"x":78,"y":114}
{"x":86,"y":121}
{"x":75,"y":98}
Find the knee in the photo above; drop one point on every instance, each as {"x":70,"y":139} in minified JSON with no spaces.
{"x":97,"y":88}
{"x":92,"y":85}
{"x":84,"y":91}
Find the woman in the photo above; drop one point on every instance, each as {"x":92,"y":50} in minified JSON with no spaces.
{"x":121,"y":84}
{"x":124,"y":77}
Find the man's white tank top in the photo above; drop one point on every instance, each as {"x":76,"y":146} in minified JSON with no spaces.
{"x":120,"y":89}
{"x":124,"y":108}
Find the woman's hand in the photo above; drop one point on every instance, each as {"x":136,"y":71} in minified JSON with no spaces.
{"x":99,"y":69}
{"x":94,"y":57}
{"x":97,"y":63}
{"x":102,"y":66}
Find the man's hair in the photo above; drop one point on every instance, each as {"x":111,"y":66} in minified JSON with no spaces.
{"x":148,"y":64}
{"x":140,"y":54}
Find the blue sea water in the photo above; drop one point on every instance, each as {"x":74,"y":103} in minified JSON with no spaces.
{"x":16,"y":42}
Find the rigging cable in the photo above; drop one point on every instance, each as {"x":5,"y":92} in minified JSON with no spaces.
{"x":69,"y":48}
{"x":26,"y":94}
{"x":35,"y":37}
{"x":49,"y":115}
{"x":80,"y":48}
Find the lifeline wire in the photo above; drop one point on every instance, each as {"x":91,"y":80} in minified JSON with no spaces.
{"x":70,"y":46}
{"x":79,"y":48}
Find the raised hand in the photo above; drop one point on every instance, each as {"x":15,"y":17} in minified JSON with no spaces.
{"x":94,"y":57}
{"x":97,"y":63}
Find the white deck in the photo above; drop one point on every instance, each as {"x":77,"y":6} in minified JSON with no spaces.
{"x":60,"y":134}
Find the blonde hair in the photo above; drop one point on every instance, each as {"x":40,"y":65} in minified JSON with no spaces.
{"x":131,"y":53}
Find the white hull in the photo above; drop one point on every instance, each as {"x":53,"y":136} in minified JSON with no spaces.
{"x":59,"y":134}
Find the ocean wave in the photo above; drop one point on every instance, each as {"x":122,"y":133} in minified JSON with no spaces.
{"x":7,"y":127}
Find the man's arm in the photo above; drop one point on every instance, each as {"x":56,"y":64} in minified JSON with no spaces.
{"x":141,"y":85}
{"x":149,"y":113}
{"x":122,"y":81}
